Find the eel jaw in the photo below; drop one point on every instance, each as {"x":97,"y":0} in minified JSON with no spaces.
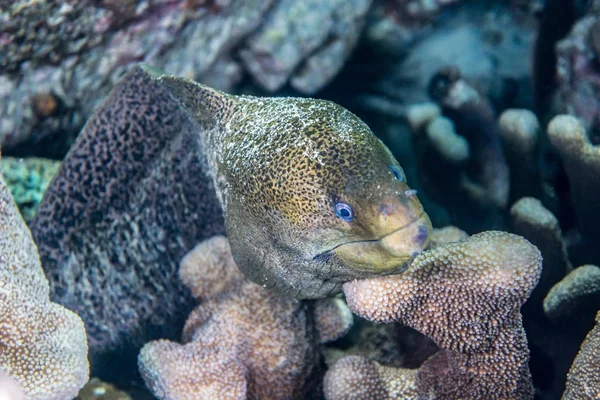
{"x":389,"y":253}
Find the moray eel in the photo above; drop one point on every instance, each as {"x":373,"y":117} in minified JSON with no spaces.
{"x":308,"y":196}
{"x":311,"y":198}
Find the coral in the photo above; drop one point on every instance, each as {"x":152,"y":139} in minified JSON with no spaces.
{"x":465,"y":296}
{"x":357,"y":378}
{"x":578,"y":291}
{"x":46,"y":31}
{"x":581,"y":160}
{"x":332,"y":318}
{"x":27,"y":180}
{"x":289,"y":45}
{"x":520,"y":132}
{"x":487,"y":177}
{"x":583,"y":380}
{"x":536,"y":223}
{"x":446,"y":235}
{"x":78,"y":50}
{"x":466,"y":146}
{"x":43,"y":345}
{"x":242,"y":341}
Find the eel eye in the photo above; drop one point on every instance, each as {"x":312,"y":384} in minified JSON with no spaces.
{"x":344,"y":211}
{"x":397,"y":173}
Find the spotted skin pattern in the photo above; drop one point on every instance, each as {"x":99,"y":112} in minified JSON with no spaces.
{"x":166,"y":162}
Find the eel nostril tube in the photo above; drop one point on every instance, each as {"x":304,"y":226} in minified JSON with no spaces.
{"x":410,"y":192}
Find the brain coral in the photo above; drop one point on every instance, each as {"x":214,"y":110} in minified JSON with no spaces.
{"x":466,"y":297}
{"x":242,"y":341}
{"x":43,"y":346}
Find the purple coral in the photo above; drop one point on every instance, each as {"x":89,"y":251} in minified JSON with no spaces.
{"x":242,"y":341}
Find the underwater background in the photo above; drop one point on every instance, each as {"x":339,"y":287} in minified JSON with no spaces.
{"x":491,"y":108}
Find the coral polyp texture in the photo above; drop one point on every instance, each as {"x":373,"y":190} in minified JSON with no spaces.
{"x":43,"y":346}
{"x":242,"y":341}
{"x":466,"y":297}
{"x":357,"y":378}
{"x":583,"y":380}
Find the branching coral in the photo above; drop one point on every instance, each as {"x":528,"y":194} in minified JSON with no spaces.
{"x":536,"y":223}
{"x":43,"y":346}
{"x":242,"y":341}
{"x":465,"y":144}
{"x":582,"y":163}
{"x":520,"y":131}
{"x":487,"y":177}
{"x":465,"y":296}
{"x":583,"y":380}
{"x":577,"y":291}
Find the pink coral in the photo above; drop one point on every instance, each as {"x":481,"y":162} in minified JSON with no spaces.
{"x":466,"y":297}
{"x":242,"y":341}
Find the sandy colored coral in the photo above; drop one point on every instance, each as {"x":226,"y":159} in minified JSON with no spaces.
{"x":447,"y":234}
{"x":466,"y":297}
{"x":536,"y":223}
{"x":218,"y":268}
{"x":333,"y":318}
{"x":580,"y":289}
{"x":357,"y":378}
{"x":581,"y":160}
{"x":43,"y":346}
{"x":242,"y":341}
{"x":519,"y":130}
{"x":583,"y":380}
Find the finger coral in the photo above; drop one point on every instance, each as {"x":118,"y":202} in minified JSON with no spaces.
{"x":466,"y":297}
{"x":580,"y":289}
{"x":583,"y":380}
{"x":582,"y":164}
{"x":43,"y":346}
{"x":242,"y":341}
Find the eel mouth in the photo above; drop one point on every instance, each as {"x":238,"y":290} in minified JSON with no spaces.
{"x":388,"y":253}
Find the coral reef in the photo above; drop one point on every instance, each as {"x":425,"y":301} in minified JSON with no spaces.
{"x":43,"y":345}
{"x":242,"y":341}
{"x":445,"y":84}
{"x":78,"y":50}
{"x":476,"y":287}
{"x":583,"y":381}
{"x":27,"y":180}
{"x":467,"y":143}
